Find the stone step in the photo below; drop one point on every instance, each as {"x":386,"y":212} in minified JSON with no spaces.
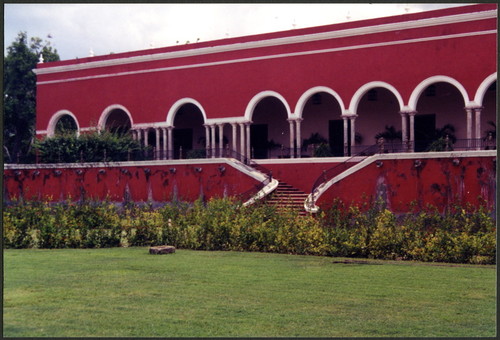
{"x":288,"y":198}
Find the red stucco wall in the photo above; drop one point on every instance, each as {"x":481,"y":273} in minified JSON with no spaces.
{"x":456,"y":178}
{"x":225,"y":89}
{"x":139,"y":182}
{"x":441,"y":182}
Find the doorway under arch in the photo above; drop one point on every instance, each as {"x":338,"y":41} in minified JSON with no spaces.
{"x":189,"y":138}
{"x":269,"y":132}
{"x":488,"y":114}
{"x":440,"y":113}
{"x":378,"y":116}
{"x":322,"y":126}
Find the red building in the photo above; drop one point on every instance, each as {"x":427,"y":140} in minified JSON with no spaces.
{"x":278,"y":95}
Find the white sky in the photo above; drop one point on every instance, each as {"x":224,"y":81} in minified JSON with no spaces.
{"x":106,"y":28}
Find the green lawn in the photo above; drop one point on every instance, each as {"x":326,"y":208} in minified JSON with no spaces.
{"x":127,"y":292}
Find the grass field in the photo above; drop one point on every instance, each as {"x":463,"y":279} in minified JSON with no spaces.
{"x":120,"y":292}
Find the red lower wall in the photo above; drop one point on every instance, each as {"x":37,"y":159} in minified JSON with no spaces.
{"x":137,"y":182}
{"x":400,"y":182}
{"x":441,"y":182}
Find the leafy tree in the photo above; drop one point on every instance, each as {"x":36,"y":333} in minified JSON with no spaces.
{"x":20,"y":92}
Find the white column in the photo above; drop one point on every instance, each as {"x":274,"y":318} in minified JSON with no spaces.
{"x":249,"y":151}
{"x":346,"y":134}
{"x":146,"y":142}
{"x":221,"y":140}
{"x":164,"y":153}
{"x":207,"y":140}
{"x":404,"y":130}
{"x":234,"y":126}
{"x":212,"y":127}
{"x":478,"y":110}
{"x":242,"y":141}
{"x":299,"y":137}
{"x":158,"y":148}
{"x":412,"y":130}
{"x":353,"y":130}
{"x":469,"y":122}
{"x":292,"y":138}
{"x":170,"y":142}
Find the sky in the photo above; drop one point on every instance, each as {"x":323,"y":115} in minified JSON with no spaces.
{"x":78,"y":30}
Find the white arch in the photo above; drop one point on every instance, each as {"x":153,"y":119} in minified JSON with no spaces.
{"x":261,"y":95}
{"x":478,"y":99}
{"x":177,"y":105}
{"x":51,"y":128}
{"x":101,"y":125}
{"x":412,"y":104}
{"x":353,"y":106}
{"x":299,"y":108}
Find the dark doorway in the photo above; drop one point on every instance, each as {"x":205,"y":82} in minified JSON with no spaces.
{"x":258,"y":140}
{"x":183,"y":138}
{"x":336,"y":137}
{"x":425,"y":131}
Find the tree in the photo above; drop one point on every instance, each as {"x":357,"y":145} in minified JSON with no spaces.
{"x":20,"y":92}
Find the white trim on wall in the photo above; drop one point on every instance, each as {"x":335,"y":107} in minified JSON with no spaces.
{"x":101,"y":125}
{"x":478,"y":98}
{"x":299,"y":108}
{"x":177,"y":105}
{"x":264,"y":94}
{"x":267,"y":57}
{"x":415,"y":95}
{"x":356,"y":98}
{"x":51,"y":128}
{"x":382,"y":28}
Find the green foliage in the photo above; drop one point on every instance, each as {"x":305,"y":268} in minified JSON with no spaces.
{"x":93,"y":147}
{"x":462,"y":235}
{"x":441,"y":144}
{"x":20,"y":92}
{"x":390,"y":134}
{"x":323,"y":150}
{"x":314,"y":139}
{"x":195,"y":154}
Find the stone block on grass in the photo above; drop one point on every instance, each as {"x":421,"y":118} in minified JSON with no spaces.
{"x":159,"y":250}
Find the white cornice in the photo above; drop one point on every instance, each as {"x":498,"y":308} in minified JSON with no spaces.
{"x":451,"y":19}
{"x":266,"y":57}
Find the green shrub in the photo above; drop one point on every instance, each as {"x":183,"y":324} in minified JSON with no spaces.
{"x":461,"y":235}
{"x":93,"y":147}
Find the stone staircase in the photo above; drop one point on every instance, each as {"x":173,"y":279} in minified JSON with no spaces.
{"x":288,"y":198}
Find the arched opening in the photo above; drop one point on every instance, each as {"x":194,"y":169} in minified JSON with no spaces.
{"x":378,"y":116}
{"x":488,"y":116}
{"x":66,"y":125}
{"x":189,"y":133}
{"x":269,"y":132}
{"x":440,"y":115}
{"x":118,"y":121}
{"x":322,"y":126}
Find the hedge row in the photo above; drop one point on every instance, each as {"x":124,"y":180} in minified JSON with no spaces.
{"x":463,"y":235}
